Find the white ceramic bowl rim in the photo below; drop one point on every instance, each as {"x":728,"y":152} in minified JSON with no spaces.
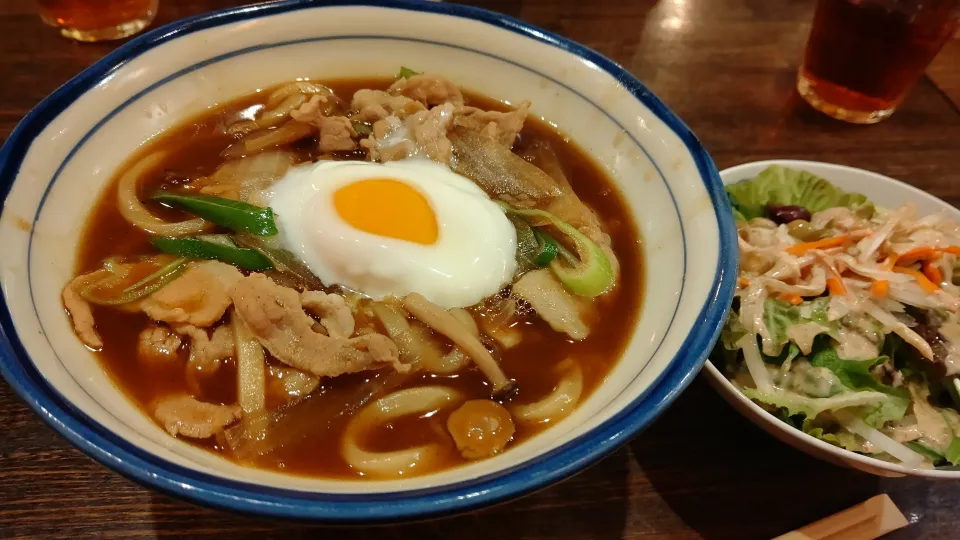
{"x":859,"y":461}
{"x":120,"y":455}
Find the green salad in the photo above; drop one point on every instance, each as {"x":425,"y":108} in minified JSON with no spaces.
{"x":846,"y":319}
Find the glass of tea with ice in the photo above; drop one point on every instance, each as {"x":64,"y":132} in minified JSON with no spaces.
{"x":863,"y":56}
{"x":98,"y":20}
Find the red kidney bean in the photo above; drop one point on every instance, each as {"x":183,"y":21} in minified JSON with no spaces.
{"x":785,"y":213}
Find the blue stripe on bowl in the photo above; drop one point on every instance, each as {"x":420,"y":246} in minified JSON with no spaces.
{"x":210,"y":490}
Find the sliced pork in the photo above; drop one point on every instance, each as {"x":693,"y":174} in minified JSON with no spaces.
{"x":428,"y":89}
{"x":80,"y":314}
{"x":276,"y":318}
{"x":198,"y":297}
{"x":184,"y":415}
{"x":157,"y":343}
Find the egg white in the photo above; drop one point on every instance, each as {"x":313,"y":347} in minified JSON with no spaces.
{"x":473,"y":257}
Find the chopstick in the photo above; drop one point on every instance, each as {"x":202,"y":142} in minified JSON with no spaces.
{"x":870,"y":519}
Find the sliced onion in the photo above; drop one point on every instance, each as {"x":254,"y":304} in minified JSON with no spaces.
{"x":290,"y":132}
{"x":299,"y":87}
{"x":891,"y":322}
{"x":398,"y":328}
{"x":859,"y":427}
{"x":433,"y":359}
{"x":251,"y":368}
{"x":296,"y":384}
{"x":130,"y":207}
{"x":753,"y":360}
{"x":497,"y":324}
{"x":249,"y":176}
{"x":271,"y":117}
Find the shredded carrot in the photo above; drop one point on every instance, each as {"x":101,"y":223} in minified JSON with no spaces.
{"x":800,"y":249}
{"x":834,"y":280}
{"x":928,"y":286}
{"x":932,"y":271}
{"x":743,"y":282}
{"x":915,"y":255}
{"x":953,"y":250}
{"x":791,"y":298}
{"x":835,"y":286}
{"x":880,"y":288}
{"x":890,"y":262}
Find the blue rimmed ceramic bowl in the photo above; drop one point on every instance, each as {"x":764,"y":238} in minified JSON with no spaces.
{"x":63,"y":153}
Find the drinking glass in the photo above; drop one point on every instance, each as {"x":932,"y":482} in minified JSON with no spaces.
{"x":864,"y":56}
{"x":97,"y":20}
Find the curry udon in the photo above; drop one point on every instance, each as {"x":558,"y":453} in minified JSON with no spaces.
{"x":363,"y":277}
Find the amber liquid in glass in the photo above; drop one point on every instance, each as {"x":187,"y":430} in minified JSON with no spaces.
{"x":863,"y":56}
{"x":95,"y":20}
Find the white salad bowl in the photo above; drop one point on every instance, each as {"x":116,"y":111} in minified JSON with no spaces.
{"x":885,"y":192}
{"x":59,"y":158}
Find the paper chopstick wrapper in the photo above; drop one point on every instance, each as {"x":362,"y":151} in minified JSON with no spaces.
{"x":870,"y":519}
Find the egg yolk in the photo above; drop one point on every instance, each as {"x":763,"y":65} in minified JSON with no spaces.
{"x":387,"y":207}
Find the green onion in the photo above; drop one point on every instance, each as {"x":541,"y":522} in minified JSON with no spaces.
{"x":196,"y":248}
{"x":589,"y":275}
{"x":364,"y":130}
{"x":527,"y":246}
{"x":547,"y":248}
{"x":140,"y":289}
{"x":282,"y":260}
{"x":175,"y":267}
{"x":219,"y":239}
{"x":406,"y":73}
{"x":535,"y":249}
{"x":235,"y":215}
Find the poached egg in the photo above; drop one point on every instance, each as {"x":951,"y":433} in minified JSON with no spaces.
{"x":395,"y":228}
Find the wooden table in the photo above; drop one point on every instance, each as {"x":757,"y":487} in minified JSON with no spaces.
{"x":727,"y":68}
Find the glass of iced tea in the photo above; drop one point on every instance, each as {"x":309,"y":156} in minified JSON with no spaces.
{"x":863,"y":56}
{"x":98,"y":20}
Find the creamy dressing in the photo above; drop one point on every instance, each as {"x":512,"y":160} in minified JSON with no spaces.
{"x":818,"y":382}
{"x":804,"y":334}
{"x":853,"y":345}
{"x":936,"y":433}
{"x":950,"y":331}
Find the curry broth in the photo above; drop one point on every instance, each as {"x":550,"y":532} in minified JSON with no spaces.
{"x":193,"y":150}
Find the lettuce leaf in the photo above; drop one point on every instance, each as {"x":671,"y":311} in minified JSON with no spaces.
{"x":842,"y":438}
{"x":925,"y":451}
{"x":888,"y":410}
{"x":953,"y":452}
{"x":732,"y":332}
{"x":779,"y":185}
{"x":951,"y":455}
{"x":855,"y":374}
{"x":796,"y":404}
{"x":780,"y":316}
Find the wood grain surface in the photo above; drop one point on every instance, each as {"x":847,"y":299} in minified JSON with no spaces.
{"x":727,"y":68}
